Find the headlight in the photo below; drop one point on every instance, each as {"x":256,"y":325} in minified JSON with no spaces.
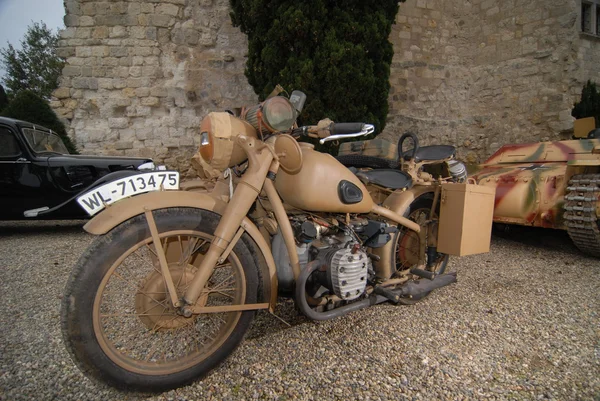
{"x":217,"y":140}
{"x":207,"y":149}
{"x":274,"y":114}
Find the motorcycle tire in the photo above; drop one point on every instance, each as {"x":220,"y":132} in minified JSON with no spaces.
{"x":417,"y":210}
{"x":361,"y":161}
{"x":120,"y":345}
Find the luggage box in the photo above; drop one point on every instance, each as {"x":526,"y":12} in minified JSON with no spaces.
{"x":466,"y":212}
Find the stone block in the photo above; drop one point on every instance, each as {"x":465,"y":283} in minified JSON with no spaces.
{"x":99,"y":71}
{"x":86,"y":71}
{"x":167,"y":9}
{"x":85,"y":83}
{"x":150,"y":101}
{"x":122,"y":145}
{"x":62,"y":93}
{"x":105,"y":83}
{"x":142,"y":92}
{"x":163,"y":21}
{"x":118,"y":32}
{"x":71,"y":20}
{"x":170,"y":143}
{"x":100,"y":51}
{"x":83,"y":33}
{"x":100,"y":32}
{"x":143,"y":133}
{"x":142,"y":51}
{"x":147,"y":8}
{"x":134,"y":8}
{"x":135,"y":71}
{"x":71,"y":71}
{"x":83,"y":51}
{"x":118,"y":122}
{"x":119,"y":51}
{"x":86,"y":20}
{"x":159,"y":91}
{"x":185,"y":141}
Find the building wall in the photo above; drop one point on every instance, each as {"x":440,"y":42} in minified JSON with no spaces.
{"x":140,"y":75}
{"x":482,"y":73}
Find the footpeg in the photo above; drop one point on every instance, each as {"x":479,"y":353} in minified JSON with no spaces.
{"x":390,"y":295}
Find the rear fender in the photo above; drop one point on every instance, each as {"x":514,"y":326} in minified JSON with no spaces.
{"x":123,"y":210}
{"x":399,"y":202}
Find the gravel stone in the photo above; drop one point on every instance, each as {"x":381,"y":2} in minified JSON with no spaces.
{"x":521,"y":324}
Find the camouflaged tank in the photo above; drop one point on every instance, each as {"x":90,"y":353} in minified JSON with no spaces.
{"x":548,"y":184}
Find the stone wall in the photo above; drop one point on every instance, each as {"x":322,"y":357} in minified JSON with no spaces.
{"x":482,"y":73}
{"x":141,"y":74}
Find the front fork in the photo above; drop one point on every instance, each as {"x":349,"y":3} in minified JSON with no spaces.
{"x":260,"y":161}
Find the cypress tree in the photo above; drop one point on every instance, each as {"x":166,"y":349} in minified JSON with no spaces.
{"x":27,"y":106}
{"x":337,"y":52}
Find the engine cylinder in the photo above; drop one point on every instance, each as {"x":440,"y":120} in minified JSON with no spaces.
{"x":347,"y":272}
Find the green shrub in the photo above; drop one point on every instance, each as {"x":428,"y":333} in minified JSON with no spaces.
{"x":27,"y":106}
{"x":338,"y":53}
{"x":589,"y":105}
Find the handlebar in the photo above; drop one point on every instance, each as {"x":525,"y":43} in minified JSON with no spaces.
{"x":348,"y":130}
{"x":329,"y":131}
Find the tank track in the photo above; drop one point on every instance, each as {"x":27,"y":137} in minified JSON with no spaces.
{"x":580,"y":212}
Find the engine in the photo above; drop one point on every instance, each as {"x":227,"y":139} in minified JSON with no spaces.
{"x":340,"y":248}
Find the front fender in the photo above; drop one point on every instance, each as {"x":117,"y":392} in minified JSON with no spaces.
{"x":398,"y":202}
{"x":123,"y":210}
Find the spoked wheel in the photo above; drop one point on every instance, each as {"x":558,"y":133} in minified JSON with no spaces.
{"x":118,"y":320}
{"x":407,"y":246}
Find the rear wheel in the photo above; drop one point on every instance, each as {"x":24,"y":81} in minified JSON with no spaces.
{"x":117,"y":318}
{"x":407,"y":245}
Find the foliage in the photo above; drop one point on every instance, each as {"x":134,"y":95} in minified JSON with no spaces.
{"x":35,"y":66}
{"x":589,"y":105}
{"x":338,"y":53}
{"x":3,"y":98}
{"x":27,"y":106}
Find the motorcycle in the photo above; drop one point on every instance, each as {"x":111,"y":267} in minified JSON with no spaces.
{"x":173,"y":280}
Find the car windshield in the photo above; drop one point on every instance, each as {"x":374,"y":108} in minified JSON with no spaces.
{"x":42,"y":141}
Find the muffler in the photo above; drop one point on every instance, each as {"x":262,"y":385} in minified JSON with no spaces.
{"x":423,"y":286}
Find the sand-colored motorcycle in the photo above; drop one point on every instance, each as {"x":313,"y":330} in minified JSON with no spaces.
{"x":173,"y":280}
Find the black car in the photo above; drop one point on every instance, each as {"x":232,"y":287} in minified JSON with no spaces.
{"x":39,"y":179}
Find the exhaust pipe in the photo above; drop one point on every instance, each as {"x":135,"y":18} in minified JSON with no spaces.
{"x":412,"y":288}
{"x":423,"y":286}
{"x":300,"y":298}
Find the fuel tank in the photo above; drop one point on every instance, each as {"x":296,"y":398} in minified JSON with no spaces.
{"x":323,"y":185}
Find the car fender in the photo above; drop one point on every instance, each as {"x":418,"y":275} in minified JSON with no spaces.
{"x":125,"y":209}
{"x":398,"y":202}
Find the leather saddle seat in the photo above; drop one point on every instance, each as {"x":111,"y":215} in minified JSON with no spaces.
{"x":388,"y":178}
{"x":431,"y":153}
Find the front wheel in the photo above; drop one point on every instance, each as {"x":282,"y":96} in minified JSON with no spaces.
{"x":117,"y":319}
{"x":407,"y":245}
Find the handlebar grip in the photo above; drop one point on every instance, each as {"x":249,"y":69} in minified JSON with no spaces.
{"x":346,"y":128}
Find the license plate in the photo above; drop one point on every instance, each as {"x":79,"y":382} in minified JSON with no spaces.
{"x":98,"y":198}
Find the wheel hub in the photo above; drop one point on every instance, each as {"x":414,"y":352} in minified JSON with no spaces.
{"x":152,"y":301}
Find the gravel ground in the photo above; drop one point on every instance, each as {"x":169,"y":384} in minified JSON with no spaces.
{"x":521,"y":323}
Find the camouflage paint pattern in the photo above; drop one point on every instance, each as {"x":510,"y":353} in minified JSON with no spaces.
{"x":531,"y":179}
